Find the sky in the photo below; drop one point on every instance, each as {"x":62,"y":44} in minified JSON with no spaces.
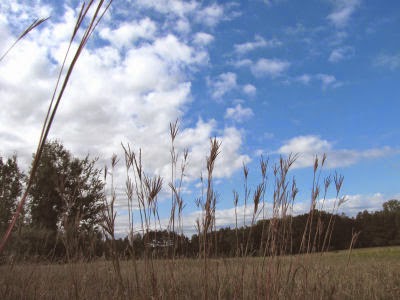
{"x":266,"y":78}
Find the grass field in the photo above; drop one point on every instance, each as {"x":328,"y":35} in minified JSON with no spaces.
{"x":369,"y":274}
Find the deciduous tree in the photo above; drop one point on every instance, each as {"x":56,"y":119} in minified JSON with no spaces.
{"x":66,"y":196}
{"x":10,"y":189}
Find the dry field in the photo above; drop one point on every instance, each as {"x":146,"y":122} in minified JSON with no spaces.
{"x":369,"y":274}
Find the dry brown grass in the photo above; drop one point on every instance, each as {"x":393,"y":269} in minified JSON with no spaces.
{"x":372,"y":274}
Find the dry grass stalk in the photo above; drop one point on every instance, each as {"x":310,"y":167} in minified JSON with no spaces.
{"x":279,"y":230}
{"x":108,"y":224}
{"x":142,"y":193}
{"x":246,"y":199}
{"x":177,"y":203}
{"x":235,"y":203}
{"x":264,"y":168}
{"x":353,"y":241}
{"x":31,"y":27}
{"x":208,"y":215}
{"x":174,"y":128}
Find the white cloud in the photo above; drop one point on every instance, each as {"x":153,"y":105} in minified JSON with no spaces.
{"x":183,"y":26}
{"x":238,"y":113}
{"x":116,"y":94}
{"x":264,"y":66}
{"x":181,"y":53}
{"x":392,"y":62}
{"x":309,"y":146}
{"x":259,"y":42}
{"x":210,"y":15}
{"x":343,"y":9}
{"x":340,"y":54}
{"x":250,"y":89}
{"x":269,"y":67}
{"x":223,"y":84}
{"x":305,"y":144}
{"x":242,"y":63}
{"x":177,"y":7}
{"x":21,"y":15}
{"x":358,"y":203}
{"x":230,"y":160}
{"x":127,"y":33}
{"x":352,"y":205}
{"x":197,"y":140}
{"x":326,"y":80}
{"x":203,"y":39}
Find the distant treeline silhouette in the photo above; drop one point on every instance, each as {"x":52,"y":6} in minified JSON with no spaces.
{"x":371,"y":229}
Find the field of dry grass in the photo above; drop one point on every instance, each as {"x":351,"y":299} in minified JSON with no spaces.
{"x":369,"y":274}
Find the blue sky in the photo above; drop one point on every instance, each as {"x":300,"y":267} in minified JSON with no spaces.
{"x":264,"y":77}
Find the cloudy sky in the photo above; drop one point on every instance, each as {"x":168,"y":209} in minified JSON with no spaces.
{"x":268,"y":78}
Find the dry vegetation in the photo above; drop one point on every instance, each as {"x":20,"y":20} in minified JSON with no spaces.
{"x":372,"y":274}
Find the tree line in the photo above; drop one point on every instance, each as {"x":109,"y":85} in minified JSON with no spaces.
{"x":63,"y":220}
{"x":366,"y":229}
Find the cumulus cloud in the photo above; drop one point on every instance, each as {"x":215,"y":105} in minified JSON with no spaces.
{"x":116,"y":93}
{"x":223,"y":84}
{"x":210,"y":15}
{"x":264,"y":66}
{"x":340,"y":54}
{"x":269,"y":67}
{"x":176,"y":7}
{"x":358,"y":202}
{"x":308,"y":146}
{"x":342,"y":11}
{"x":197,"y":140}
{"x":259,"y":42}
{"x":230,"y":160}
{"x":180,"y":15}
{"x":203,"y":39}
{"x":128,"y":33}
{"x":239,"y":113}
